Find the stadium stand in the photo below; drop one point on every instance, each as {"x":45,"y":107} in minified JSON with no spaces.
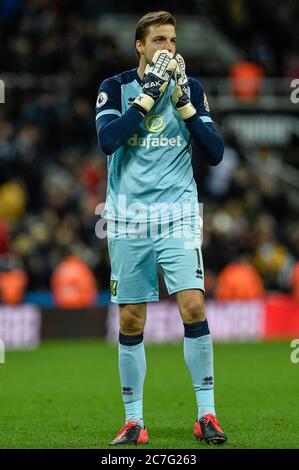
{"x":53,"y":174}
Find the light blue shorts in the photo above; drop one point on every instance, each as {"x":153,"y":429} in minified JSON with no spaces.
{"x":134,"y":260}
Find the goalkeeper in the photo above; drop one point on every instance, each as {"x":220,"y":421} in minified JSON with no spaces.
{"x":145,"y":119}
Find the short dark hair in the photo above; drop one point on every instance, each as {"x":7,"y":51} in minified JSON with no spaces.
{"x":152,"y":18}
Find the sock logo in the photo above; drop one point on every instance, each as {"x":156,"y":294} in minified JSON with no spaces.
{"x":207,"y":381}
{"x":127,"y":391}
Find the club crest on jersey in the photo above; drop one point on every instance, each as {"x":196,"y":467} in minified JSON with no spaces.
{"x":102,"y":99}
{"x":113,"y":287}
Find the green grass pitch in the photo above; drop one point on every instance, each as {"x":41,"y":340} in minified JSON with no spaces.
{"x":66,"y":394}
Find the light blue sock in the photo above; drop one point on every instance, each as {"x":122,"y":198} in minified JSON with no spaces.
{"x":132,"y":369}
{"x":198,"y":353}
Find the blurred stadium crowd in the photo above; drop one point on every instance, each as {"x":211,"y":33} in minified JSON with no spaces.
{"x":53,"y":174}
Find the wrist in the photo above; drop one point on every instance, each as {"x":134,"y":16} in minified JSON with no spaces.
{"x":143,"y":103}
{"x":140,"y":109}
{"x":187,"y":112}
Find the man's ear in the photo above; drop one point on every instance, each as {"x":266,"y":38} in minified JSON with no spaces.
{"x":139,"y":47}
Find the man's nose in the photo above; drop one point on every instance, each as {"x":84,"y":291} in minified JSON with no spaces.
{"x":170,"y":47}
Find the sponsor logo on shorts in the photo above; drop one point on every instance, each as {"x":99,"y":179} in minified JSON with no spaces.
{"x":199,"y":273}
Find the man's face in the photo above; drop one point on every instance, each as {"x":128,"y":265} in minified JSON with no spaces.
{"x":158,"y":38}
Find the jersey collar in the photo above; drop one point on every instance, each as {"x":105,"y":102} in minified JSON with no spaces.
{"x":137,"y":77}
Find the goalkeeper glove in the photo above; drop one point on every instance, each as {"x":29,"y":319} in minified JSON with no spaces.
{"x":180,"y":97}
{"x":157,"y":76}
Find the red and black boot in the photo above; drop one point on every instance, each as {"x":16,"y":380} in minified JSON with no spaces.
{"x":207,"y":429}
{"x":131,"y":434}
